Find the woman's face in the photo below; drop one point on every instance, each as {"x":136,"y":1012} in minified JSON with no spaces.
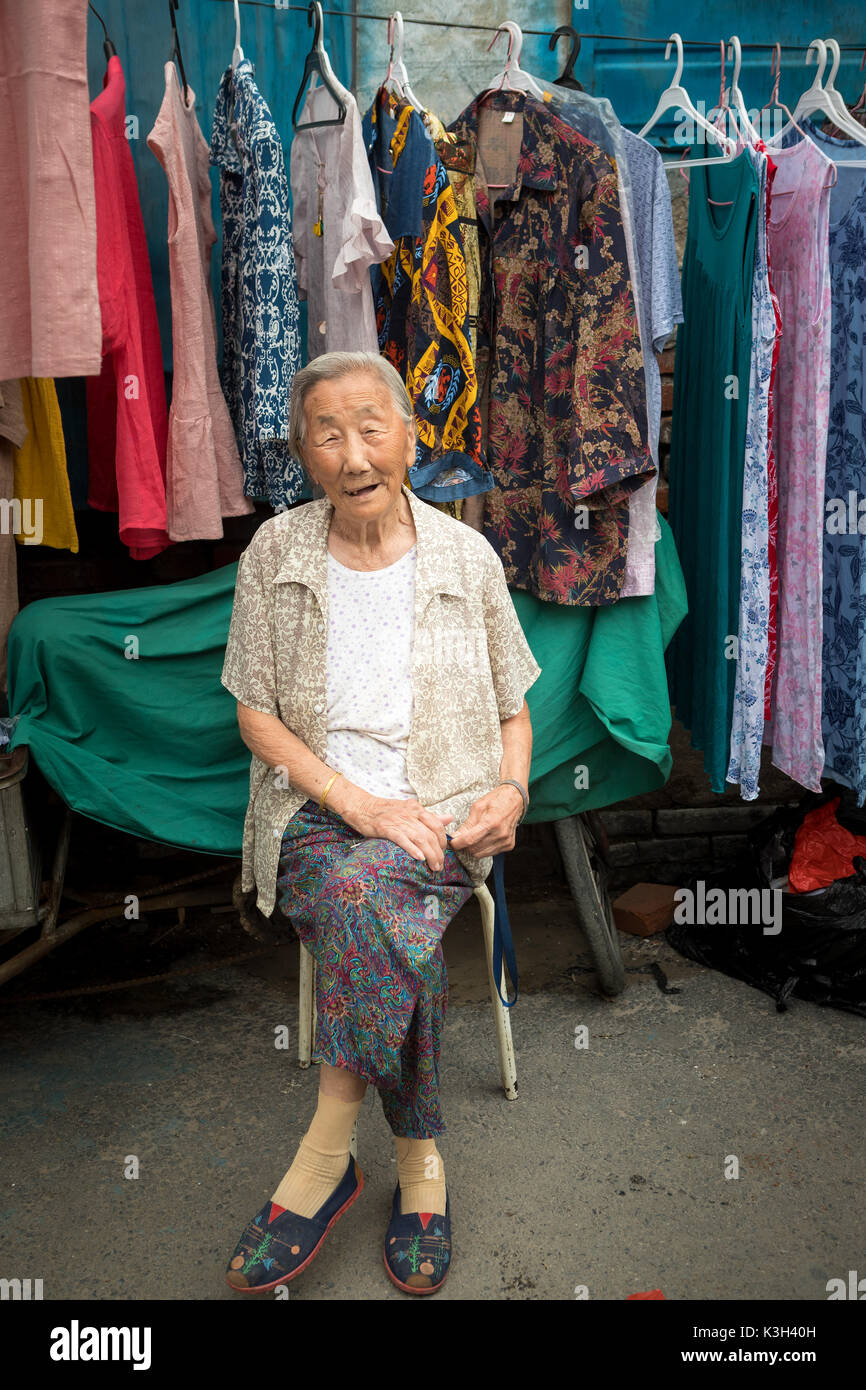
{"x":357,"y":447}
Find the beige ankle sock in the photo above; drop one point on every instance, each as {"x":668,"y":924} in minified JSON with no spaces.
{"x":422,"y":1176}
{"x":322,"y":1157}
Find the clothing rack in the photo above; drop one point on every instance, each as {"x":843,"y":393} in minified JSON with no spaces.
{"x":537,"y":33}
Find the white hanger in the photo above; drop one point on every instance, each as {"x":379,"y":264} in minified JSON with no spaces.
{"x":238,"y":54}
{"x":814,"y":98}
{"x":841,"y":115}
{"x":677,"y":96}
{"x":513,"y":77}
{"x":327,"y":69}
{"x":735,"y":96}
{"x":397,"y":74}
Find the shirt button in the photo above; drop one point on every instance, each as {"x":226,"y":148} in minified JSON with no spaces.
{"x":320,"y":627}
{"x":317,"y":709}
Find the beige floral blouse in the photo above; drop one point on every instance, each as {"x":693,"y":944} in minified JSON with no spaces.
{"x":471,"y":667}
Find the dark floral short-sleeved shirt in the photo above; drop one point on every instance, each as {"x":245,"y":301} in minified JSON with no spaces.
{"x":567,"y":424}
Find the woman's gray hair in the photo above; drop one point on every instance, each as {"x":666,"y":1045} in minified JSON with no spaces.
{"x":329,"y":367}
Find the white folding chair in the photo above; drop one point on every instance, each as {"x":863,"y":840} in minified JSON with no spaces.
{"x":507,"y":1067}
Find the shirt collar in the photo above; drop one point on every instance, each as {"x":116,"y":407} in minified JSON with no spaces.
{"x":402,"y":215}
{"x":536,"y":166}
{"x":226,"y":149}
{"x":306,"y":562}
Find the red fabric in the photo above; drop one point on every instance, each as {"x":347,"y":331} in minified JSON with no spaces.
{"x":127,"y":419}
{"x":772,"y":479}
{"x":823,"y":850}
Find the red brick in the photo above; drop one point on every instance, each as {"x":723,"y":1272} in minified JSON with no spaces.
{"x":645,"y":909}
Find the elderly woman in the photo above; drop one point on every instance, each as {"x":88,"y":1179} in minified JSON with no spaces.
{"x":380,"y":673}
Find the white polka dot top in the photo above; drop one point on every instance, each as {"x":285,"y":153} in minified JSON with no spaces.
{"x":371,"y":624}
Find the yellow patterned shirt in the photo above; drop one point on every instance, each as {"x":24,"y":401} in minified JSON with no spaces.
{"x":422,"y":302}
{"x":459,"y":161}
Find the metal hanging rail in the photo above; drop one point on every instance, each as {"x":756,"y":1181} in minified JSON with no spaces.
{"x":538,"y":33}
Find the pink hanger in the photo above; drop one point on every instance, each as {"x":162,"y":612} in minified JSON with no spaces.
{"x":775,"y":100}
{"x":722,"y":107}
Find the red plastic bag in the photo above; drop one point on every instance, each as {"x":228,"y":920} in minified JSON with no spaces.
{"x":824,"y":850}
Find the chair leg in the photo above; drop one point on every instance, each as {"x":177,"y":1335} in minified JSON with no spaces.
{"x":507,"y":1063}
{"x":306,"y":1011}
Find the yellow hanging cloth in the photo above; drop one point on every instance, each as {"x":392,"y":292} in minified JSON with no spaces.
{"x":41,"y":477}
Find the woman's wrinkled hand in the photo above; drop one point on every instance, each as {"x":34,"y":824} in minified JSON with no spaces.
{"x":419,"y":832}
{"x":491,"y":824}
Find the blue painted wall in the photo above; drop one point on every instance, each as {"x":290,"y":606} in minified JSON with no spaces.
{"x":632,"y":76}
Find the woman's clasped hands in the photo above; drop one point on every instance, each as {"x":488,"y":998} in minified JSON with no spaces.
{"x":488,"y":829}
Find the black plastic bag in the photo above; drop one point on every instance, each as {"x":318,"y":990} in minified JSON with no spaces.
{"x":820,"y":952}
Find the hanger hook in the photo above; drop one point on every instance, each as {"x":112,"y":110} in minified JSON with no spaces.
{"x":776,"y":66}
{"x":735,"y":51}
{"x":175,"y":49}
{"x":820,"y":49}
{"x":675,"y":39}
{"x":565,"y":31}
{"x":238,"y":54}
{"x":836,"y":52}
{"x":107,"y":45}
{"x":314,"y":17}
{"x":395,"y":36}
{"x":515,"y":41}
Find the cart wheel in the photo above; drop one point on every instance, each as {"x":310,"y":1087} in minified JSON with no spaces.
{"x":587,"y":879}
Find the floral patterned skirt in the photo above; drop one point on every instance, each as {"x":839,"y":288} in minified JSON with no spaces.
{"x":373,"y":917}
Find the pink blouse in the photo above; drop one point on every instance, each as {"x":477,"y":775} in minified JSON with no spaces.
{"x":49,"y":319}
{"x":204,"y":477}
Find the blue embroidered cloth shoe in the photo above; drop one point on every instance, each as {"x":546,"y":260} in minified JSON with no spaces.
{"x":418,"y":1248}
{"x":278,"y":1244}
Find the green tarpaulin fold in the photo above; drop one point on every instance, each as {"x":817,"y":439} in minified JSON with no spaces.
{"x":121,"y":704}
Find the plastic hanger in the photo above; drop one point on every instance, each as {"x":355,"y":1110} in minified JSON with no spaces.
{"x":567,"y":78}
{"x":775,"y":99}
{"x":677,"y":97}
{"x":814,"y":98}
{"x":318,"y":62}
{"x":397,"y":74}
{"x":841,"y":116}
{"x":108,"y":46}
{"x":512,"y":78}
{"x":175,"y":50}
{"x":722,"y":113}
{"x":734,"y":97}
{"x":238,"y":54}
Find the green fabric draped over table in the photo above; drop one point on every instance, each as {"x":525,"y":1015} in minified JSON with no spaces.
{"x":120,"y":701}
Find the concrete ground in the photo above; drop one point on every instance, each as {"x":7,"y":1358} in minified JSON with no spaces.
{"x":607,"y":1174}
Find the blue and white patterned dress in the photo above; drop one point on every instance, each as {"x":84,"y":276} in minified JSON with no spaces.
{"x":844,"y":575}
{"x":261,"y":334}
{"x":747,"y":725}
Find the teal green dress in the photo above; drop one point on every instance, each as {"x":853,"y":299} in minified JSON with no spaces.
{"x":708,"y":439}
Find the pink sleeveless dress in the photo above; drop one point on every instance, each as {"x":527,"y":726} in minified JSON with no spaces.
{"x":799,"y":253}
